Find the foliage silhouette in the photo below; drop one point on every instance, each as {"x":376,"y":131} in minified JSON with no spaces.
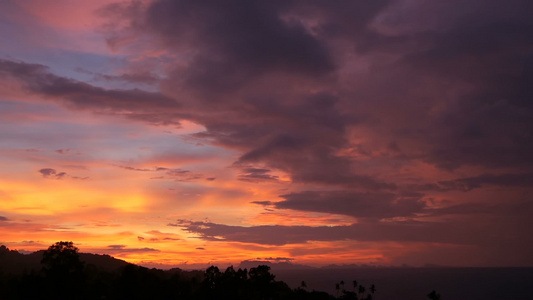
{"x":63,"y":269}
{"x":434,"y":295}
{"x":64,"y":275}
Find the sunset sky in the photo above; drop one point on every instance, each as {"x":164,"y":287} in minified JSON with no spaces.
{"x":189,"y":133}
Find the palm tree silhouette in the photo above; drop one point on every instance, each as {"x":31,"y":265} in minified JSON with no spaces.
{"x":361,"y":290}
{"x":372,"y":288}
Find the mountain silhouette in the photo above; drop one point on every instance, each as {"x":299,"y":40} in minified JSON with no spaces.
{"x":14,"y":262}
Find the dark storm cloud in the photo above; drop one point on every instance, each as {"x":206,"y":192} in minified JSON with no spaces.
{"x":523,"y":180}
{"x":482,"y":47}
{"x":299,"y":133}
{"x":505,"y":180}
{"x":259,"y":52}
{"x":241,"y":63}
{"x":359,"y":205}
{"x":432,"y":232}
{"x":519,"y":209}
{"x":236,"y":40}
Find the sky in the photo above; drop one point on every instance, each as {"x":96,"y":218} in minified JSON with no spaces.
{"x":189,"y":133}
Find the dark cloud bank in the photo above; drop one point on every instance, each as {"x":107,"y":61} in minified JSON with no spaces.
{"x":344,"y":97}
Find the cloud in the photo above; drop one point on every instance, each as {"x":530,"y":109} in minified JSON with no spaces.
{"x":428,"y":232}
{"x":276,"y":83}
{"x":246,"y":67}
{"x":68,"y":152}
{"x":3,"y":219}
{"x":158,"y":236}
{"x":506,"y":180}
{"x":257,"y":175}
{"x":466,"y":184}
{"x":369,"y":205}
{"x":283,"y":259}
{"x":235,"y":42}
{"x":53,"y":174}
{"x":124,"y":249}
{"x":135,"y":169}
{"x":134,"y":103}
{"x":477,"y":52}
{"x":137,"y":77}
{"x":116,"y":247}
{"x":176,"y":174}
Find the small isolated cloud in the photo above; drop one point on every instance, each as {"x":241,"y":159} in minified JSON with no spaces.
{"x":264,"y":203}
{"x":135,"y":169}
{"x":158,"y":236}
{"x":200,"y":248}
{"x":115,"y":247}
{"x":257,"y":175}
{"x":124,"y":249}
{"x":135,"y":78}
{"x":67,"y":152}
{"x":2,"y":218}
{"x":277,"y":259}
{"x":176,"y":174}
{"x":53,"y":174}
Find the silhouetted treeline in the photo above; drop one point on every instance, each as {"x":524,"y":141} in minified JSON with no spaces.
{"x":64,"y":276}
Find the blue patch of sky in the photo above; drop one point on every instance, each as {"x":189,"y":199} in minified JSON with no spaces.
{"x":104,"y":137}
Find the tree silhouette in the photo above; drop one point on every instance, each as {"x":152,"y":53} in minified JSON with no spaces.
{"x":63,"y":275}
{"x":212,"y":277}
{"x":261,"y":274}
{"x":361,"y":290}
{"x":62,"y":258}
{"x":63,"y":269}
